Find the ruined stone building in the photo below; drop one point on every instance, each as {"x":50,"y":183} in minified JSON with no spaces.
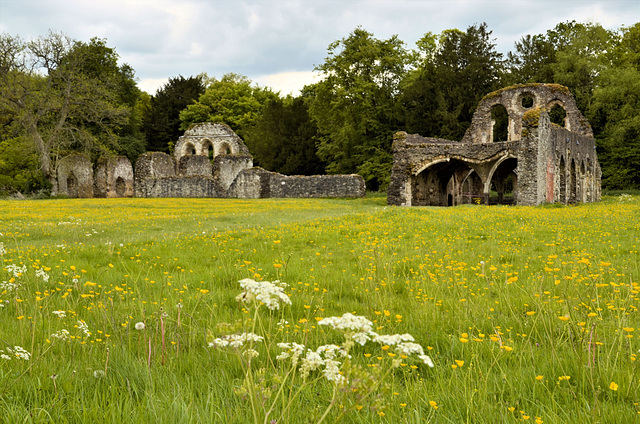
{"x":209,"y":160}
{"x":546,"y":153}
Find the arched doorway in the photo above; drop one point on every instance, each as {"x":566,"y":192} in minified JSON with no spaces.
{"x":121,"y":187}
{"x":504,"y":183}
{"x":440,"y":183}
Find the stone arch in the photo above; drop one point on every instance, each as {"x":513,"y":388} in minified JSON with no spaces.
{"x":503,"y":178}
{"x":471,"y":188}
{"x":439,"y":182}
{"x":558,"y":113}
{"x":224,"y":149}
{"x":208,"y":149}
{"x":499,"y":123}
{"x":121,"y":187}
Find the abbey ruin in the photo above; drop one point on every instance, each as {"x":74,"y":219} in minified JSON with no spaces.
{"x":209,"y":160}
{"x":539,"y":161}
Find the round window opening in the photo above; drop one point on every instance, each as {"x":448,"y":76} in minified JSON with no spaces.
{"x":527,"y":101}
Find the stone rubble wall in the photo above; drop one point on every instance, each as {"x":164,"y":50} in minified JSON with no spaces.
{"x":113,"y":177}
{"x":259,"y":183}
{"x":75,"y":167}
{"x":190,"y":166}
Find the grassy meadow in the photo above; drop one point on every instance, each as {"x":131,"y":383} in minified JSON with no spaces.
{"x":528,"y":313}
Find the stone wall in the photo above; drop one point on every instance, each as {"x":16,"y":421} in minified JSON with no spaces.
{"x":226,"y":168}
{"x":190,"y":166}
{"x":258,"y":183}
{"x":194,"y":186}
{"x":113,"y":177}
{"x":74,"y":176}
{"x":151,"y":166}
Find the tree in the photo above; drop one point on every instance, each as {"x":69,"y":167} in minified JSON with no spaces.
{"x":613,"y":110}
{"x":283,"y":138}
{"x":61,"y":96}
{"x":456,"y":69}
{"x":356,"y":105}
{"x":161,"y":122}
{"x":231,"y":100}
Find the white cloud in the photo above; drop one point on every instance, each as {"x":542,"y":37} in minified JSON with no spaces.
{"x":151,"y":85}
{"x":277,"y":42}
{"x":288,"y":82}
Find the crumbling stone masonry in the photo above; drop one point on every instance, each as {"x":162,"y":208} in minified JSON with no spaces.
{"x":259,"y":183}
{"x":540,"y":160}
{"x":74,"y":176}
{"x":113,"y":177}
{"x":210,"y":160}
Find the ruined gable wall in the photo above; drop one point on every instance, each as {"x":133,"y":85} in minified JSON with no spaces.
{"x":113,"y":177}
{"x":544,"y":96}
{"x":75,"y":176}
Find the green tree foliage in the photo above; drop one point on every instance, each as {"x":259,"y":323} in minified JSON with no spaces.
{"x":356,"y":105}
{"x":614,"y":113}
{"x":231,"y":100}
{"x":66,"y":95}
{"x":283,"y":138}
{"x":601,"y":68}
{"x":454,"y":71}
{"x":161,"y":122}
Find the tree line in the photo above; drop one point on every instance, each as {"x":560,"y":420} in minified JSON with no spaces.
{"x":59,"y":95}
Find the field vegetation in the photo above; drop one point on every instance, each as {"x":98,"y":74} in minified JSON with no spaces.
{"x":123,"y":310}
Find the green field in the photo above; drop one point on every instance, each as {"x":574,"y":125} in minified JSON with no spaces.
{"x":528,"y":313}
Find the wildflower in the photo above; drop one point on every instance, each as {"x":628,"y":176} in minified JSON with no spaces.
{"x":539,"y":377}
{"x":62,"y":334}
{"x":59,"y":314}
{"x":84,"y":327}
{"x":235,"y":340}
{"x":2,"y":251}
{"x":16,"y":270}
{"x":139,"y":326}
{"x":250,"y":353}
{"x":98,"y":374}
{"x":356,"y":327}
{"x":263,"y":291}
{"x":42,"y":274}
{"x":613,"y":386}
{"x":433,"y":404}
{"x":5,"y":356}
{"x":19,"y":353}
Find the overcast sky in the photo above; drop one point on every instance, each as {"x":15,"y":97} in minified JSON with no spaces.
{"x":277,"y":43}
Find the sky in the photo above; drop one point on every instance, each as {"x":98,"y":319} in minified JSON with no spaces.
{"x":277,"y":43}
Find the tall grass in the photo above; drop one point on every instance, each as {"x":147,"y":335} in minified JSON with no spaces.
{"x":529,"y":313}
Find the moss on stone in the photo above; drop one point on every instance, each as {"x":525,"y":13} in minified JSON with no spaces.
{"x":531,"y":118}
{"x":556,"y":88}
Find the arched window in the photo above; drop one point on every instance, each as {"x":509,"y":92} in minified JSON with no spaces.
{"x":121,"y":187}
{"x":500,"y":121}
{"x":557,"y":115}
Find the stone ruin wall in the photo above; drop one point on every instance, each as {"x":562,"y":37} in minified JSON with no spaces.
{"x":113,"y":177}
{"x":259,"y":183}
{"x":74,"y":176}
{"x":545,"y":161}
